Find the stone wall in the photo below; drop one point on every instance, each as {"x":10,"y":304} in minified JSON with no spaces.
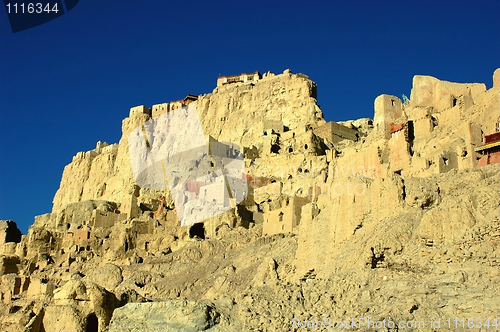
{"x":335,"y":133}
{"x":387,"y":110}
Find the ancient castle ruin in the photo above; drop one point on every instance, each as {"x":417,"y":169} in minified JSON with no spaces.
{"x":338,"y":215}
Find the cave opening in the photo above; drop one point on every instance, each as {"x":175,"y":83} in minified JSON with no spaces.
{"x":92,"y":323}
{"x":197,"y":230}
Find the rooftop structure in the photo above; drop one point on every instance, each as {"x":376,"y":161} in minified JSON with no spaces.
{"x":243,"y":77}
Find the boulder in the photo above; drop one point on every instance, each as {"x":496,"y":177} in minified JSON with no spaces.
{"x":108,"y":276}
{"x":175,"y":315}
{"x":62,"y":318}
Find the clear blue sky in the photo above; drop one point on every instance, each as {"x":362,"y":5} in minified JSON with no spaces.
{"x":68,"y":83}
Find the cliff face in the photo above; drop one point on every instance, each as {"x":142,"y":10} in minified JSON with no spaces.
{"x":395,"y":218}
{"x":240,"y":113}
{"x":237,"y":113}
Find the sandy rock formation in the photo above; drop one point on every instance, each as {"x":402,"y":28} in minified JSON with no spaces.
{"x":176,"y":315}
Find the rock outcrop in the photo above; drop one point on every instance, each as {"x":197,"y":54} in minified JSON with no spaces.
{"x":175,"y":315}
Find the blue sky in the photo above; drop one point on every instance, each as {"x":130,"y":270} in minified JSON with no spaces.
{"x":68,"y":83}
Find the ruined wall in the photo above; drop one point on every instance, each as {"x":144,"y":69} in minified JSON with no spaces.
{"x":231,"y":112}
{"x":283,"y":219}
{"x":435,"y":134}
{"x":365,"y":227}
{"x":443,"y":123}
{"x":335,"y":133}
{"x":9,"y":233}
{"x":387,"y":110}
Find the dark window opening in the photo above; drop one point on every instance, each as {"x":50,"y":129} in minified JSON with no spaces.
{"x":146,"y":245}
{"x":265,"y":133}
{"x":306,"y":146}
{"x":445,"y":160}
{"x":88,"y":248}
{"x":300,"y":169}
{"x":197,"y":230}
{"x":285,"y":129}
{"x":280,"y":216}
{"x":434,"y":122}
{"x":376,"y":260}
{"x":314,"y":92}
{"x":92,"y":323}
{"x":287,"y":202}
{"x":290,"y":150}
{"x":411,"y":131}
{"x":68,"y":226}
{"x":411,"y":136}
{"x":393,"y":102}
{"x":146,"y":207}
{"x":14,"y":309}
{"x":126,"y":245}
{"x":454,"y":102}
{"x":397,"y":172}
